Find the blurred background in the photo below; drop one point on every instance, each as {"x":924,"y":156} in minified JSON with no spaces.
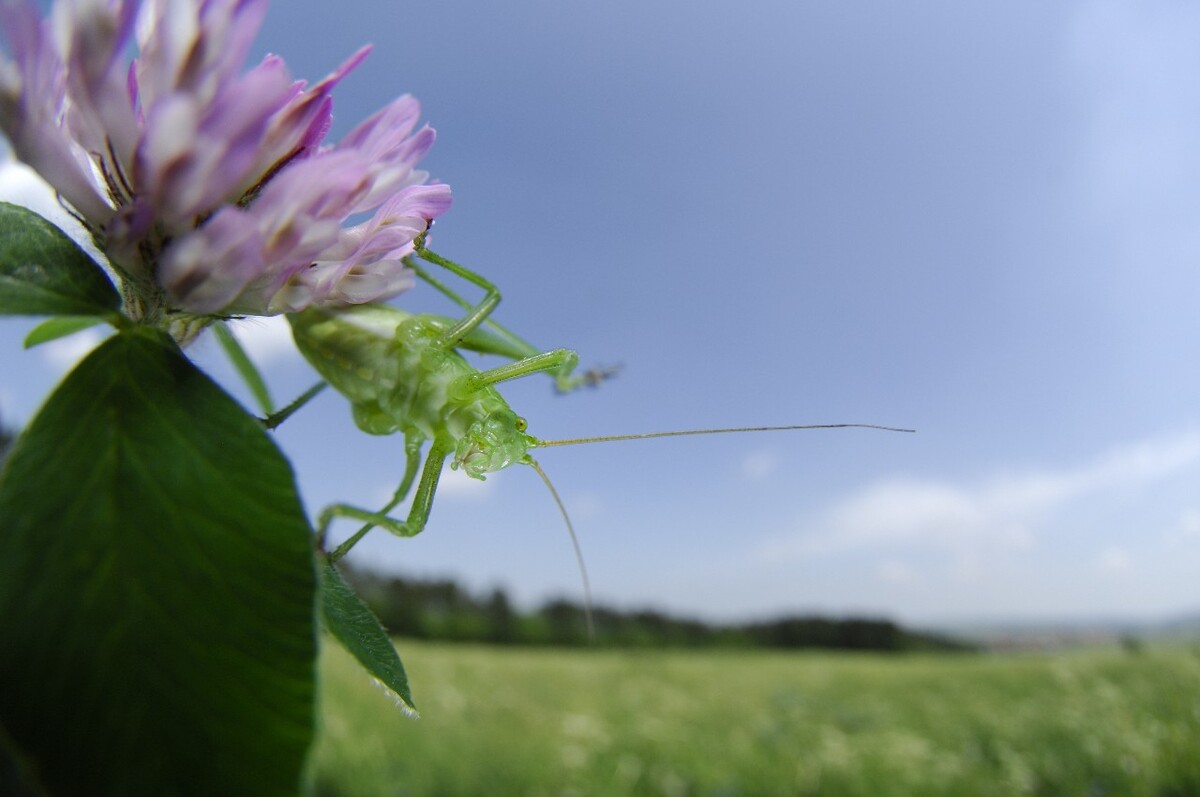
{"x":978,"y":221}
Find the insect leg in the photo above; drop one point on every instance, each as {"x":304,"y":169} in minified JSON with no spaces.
{"x":514,"y":346}
{"x":558,"y":361}
{"x":418,"y":513}
{"x":509,"y":345}
{"x":276,"y":418}
{"x":412,"y":460}
{"x":476,"y":314}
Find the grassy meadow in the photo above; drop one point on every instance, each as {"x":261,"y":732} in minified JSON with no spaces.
{"x":519,"y":721}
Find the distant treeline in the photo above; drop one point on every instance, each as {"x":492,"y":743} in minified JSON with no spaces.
{"x":443,"y":610}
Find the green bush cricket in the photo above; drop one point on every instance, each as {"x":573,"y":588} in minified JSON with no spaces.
{"x":403,"y":373}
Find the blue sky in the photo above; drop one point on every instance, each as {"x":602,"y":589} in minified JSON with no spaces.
{"x":979,"y":221}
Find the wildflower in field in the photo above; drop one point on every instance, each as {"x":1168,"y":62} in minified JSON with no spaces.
{"x":208,"y":188}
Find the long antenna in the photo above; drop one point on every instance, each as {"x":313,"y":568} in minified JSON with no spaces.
{"x":649,"y":435}
{"x":587,"y":587}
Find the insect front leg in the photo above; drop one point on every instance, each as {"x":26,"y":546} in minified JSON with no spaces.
{"x":555,"y":361}
{"x":477,"y":314}
{"x":418,"y":513}
{"x":509,"y":343}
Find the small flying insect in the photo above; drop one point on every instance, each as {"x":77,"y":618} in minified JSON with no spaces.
{"x":403,"y":372}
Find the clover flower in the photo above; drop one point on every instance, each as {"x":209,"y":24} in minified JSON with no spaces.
{"x":208,"y":189}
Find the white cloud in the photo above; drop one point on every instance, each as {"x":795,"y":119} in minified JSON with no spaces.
{"x":1005,"y":512}
{"x":62,"y":354}
{"x":894,"y":571}
{"x":21,"y":185}
{"x":760,"y":464}
{"x":7,"y":399}
{"x":266,"y":340}
{"x":1189,"y":523}
{"x":585,"y":506}
{"x":1186,"y":531}
{"x":455,"y":483}
{"x":1113,"y":560}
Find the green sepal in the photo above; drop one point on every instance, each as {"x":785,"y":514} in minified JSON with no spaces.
{"x":43,"y":272}
{"x":60,"y":327}
{"x":157,"y":587}
{"x":359,"y":631}
{"x":245,"y":367}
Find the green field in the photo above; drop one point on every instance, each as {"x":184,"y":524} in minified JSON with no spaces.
{"x":553,"y":722}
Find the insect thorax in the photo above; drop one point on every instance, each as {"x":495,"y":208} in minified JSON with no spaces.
{"x":398,"y":377}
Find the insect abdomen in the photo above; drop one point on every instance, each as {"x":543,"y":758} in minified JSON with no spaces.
{"x":362,"y":361}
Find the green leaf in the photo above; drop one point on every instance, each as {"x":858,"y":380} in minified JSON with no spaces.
{"x":245,"y":366}
{"x":43,"y":272}
{"x":16,"y":777}
{"x":60,"y":327}
{"x":157,"y":587}
{"x":359,"y":631}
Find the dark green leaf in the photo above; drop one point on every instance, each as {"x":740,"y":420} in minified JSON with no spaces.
{"x":359,"y":631}
{"x":60,"y":327}
{"x":43,"y":272}
{"x":157,"y":587}
{"x":17,"y":778}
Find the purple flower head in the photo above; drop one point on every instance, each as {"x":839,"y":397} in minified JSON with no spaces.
{"x":207,"y":187}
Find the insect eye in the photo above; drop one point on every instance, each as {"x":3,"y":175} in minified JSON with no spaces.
{"x":522,"y":425}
